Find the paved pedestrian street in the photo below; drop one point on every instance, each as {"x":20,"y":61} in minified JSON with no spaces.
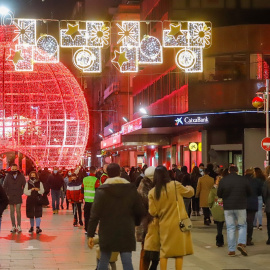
{"x":61,"y":246}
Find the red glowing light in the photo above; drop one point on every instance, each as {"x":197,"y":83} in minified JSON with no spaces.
{"x":43,"y":113}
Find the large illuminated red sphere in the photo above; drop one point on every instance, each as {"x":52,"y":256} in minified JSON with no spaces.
{"x":43,"y":113}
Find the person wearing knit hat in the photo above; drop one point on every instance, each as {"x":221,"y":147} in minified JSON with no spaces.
{"x":145,"y":186}
{"x":149,"y":172}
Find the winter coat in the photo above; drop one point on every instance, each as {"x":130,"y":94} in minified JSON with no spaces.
{"x":33,"y":208}
{"x":43,"y":178}
{"x":216,"y":205}
{"x":56,"y":181}
{"x":145,"y":186}
{"x":173,"y":242}
{"x":3,"y":200}
{"x":234,"y":190}
{"x":74,"y":192}
{"x":152,"y":239}
{"x":117,"y":208}
{"x":256,"y":190}
{"x":205,"y":183}
{"x":14,"y":187}
{"x":266,"y":195}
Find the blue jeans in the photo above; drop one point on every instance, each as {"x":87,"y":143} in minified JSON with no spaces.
{"x":236,"y":219}
{"x":105,"y":259}
{"x":258,"y":215}
{"x":55,"y":199}
{"x":32,"y":222}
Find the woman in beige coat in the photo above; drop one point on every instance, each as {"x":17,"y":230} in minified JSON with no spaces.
{"x":162,"y":204}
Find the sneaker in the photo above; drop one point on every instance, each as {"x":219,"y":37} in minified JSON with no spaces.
{"x":19,"y":229}
{"x":38,"y":230}
{"x":241,"y":248}
{"x":231,"y":254}
{"x":13,"y":229}
{"x":81,"y":223}
{"x":31,"y":230}
{"x":260,"y":227}
{"x":268,"y":242}
{"x":250,"y":243}
{"x":85,"y":233}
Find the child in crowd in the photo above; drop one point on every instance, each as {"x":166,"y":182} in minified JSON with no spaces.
{"x":75,"y":196}
{"x":113,"y":258}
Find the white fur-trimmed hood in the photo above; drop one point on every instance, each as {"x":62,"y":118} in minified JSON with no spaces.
{"x":116,"y":180}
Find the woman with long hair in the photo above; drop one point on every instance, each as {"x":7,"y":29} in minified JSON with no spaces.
{"x":258,"y":216}
{"x":33,"y":190}
{"x":163,"y":200}
{"x":194,"y":177}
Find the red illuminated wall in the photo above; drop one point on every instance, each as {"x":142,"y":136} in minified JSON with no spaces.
{"x":43,"y":113}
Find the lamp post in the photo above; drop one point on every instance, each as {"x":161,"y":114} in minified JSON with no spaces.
{"x":266,"y":98}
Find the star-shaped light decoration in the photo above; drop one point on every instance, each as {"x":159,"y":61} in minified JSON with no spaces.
{"x":17,"y":57}
{"x":73,"y":31}
{"x":175,"y":31}
{"x":119,"y":58}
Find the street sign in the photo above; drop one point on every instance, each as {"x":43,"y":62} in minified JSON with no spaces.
{"x":265,"y":144}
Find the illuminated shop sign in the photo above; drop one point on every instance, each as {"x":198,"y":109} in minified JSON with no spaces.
{"x":191,"y":120}
{"x":111,"y":141}
{"x":132,"y":126}
{"x":193,"y":146}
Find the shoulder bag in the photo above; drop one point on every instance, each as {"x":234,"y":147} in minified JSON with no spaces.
{"x":184,"y":224}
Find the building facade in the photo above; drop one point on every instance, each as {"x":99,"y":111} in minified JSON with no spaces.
{"x":192,"y":118}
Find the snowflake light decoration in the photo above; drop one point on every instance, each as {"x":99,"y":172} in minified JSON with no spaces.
{"x":26,"y":31}
{"x":98,"y":34}
{"x":130,"y":33}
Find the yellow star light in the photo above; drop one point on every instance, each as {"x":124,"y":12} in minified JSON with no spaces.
{"x":175,"y":31}
{"x":119,"y":58}
{"x":17,"y":57}
{"x":73,"y":31}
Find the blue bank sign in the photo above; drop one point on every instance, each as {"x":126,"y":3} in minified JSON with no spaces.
{"x":191,"y":120}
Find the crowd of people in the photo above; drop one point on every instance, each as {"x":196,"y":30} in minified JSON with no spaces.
{"x":150,"y":205}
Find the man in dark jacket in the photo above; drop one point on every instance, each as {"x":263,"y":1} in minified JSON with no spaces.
{"x":55,"y":182}
{"x":3,"y":202}
{"x":14,"y":184}
{"x":234,"y":190}
{"x":117,"y":208}
{"x":43,"y":178}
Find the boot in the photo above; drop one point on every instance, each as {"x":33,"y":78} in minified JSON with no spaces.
{"x":207,"y":222}
{"x":219,"y":240}
{"x":249,"y":242}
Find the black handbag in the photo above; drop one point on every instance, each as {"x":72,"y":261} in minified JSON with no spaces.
{"x":184,"y":224}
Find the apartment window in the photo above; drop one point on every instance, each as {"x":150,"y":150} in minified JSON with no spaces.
{"x":226,"y":68}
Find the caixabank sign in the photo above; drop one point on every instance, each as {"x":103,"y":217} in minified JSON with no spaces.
{"x":191,"y":120}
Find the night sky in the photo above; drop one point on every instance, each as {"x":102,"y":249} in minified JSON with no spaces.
{"x":58,"y":9}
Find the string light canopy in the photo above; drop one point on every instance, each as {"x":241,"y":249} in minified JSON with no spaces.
{"x":43,"y":112}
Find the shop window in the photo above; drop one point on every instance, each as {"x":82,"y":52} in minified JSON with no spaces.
{"x":227,"y":68}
